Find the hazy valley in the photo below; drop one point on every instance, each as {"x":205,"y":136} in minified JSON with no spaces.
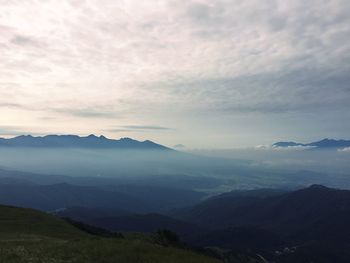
{"x":242,"y":207}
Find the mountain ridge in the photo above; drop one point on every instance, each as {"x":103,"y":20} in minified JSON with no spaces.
{"x":305,"y":225}
{"x":71,"y":141}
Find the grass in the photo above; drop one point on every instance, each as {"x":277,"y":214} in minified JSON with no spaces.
{"x":31,"y":236}
{"x":23,"y":221}
{"x":94,"y":250}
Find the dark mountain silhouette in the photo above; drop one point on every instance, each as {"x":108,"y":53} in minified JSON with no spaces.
{"x":292,"y":223}
{"x":135,"y":223}
{"x":219,"y":211}
{"x":89,"y":214}
{"x":303,"y":225}
{"x":166,"y":198}
{"x":292,"y":211}
{"x":323,"y":144}
{"x":243,"y":238}
{"x":90,"y":141}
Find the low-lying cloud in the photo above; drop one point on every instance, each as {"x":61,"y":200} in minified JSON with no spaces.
{"x":346,"y":149}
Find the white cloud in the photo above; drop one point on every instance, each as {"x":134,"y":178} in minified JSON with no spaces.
{"x":293,"y":148}
{"x":288,"y":148}
{"x":346,"y":149}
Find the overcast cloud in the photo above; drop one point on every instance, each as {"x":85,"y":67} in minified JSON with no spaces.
{"x":219,"y":73}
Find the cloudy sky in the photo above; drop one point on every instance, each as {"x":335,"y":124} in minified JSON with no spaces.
{"x":203,"y":73}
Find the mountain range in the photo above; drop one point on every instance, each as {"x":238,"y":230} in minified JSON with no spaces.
{"x":306,"y":225}
{"x":284,"y":226}
{"x":323,"y":144}
{"x":75,"y":141}
{"x":101,"y":142}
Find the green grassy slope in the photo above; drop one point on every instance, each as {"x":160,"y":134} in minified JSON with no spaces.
{"x":28,"y":235}
{"x":16,"y":221}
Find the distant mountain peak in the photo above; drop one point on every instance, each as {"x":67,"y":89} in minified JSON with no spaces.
{"x":72,"y":141}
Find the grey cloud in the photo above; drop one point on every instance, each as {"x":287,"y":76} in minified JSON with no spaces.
{"x":25,"y":41}
{"x":210,"y":13}
{"x":145,"y":127}
{"x":87,"y":112}
{"x":139,"y":128}
{"x":11,"y":105}
{"x":281,"y":91}
{"x":198,"y":11}
{"x":303,"y":25}
{"x":122,"y":130}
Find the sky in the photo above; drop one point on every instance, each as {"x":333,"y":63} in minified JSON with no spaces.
{"x":202,"y":73}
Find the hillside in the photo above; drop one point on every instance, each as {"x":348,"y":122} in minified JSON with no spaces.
{"x":22,"y":221}
{"x":304,"y":221}
{"x":118,"y":221}
{"x":27,"y":235}
{"x":293,"y":210}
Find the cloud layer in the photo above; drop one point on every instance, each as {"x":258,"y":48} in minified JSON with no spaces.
{"x":212,"y":69}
